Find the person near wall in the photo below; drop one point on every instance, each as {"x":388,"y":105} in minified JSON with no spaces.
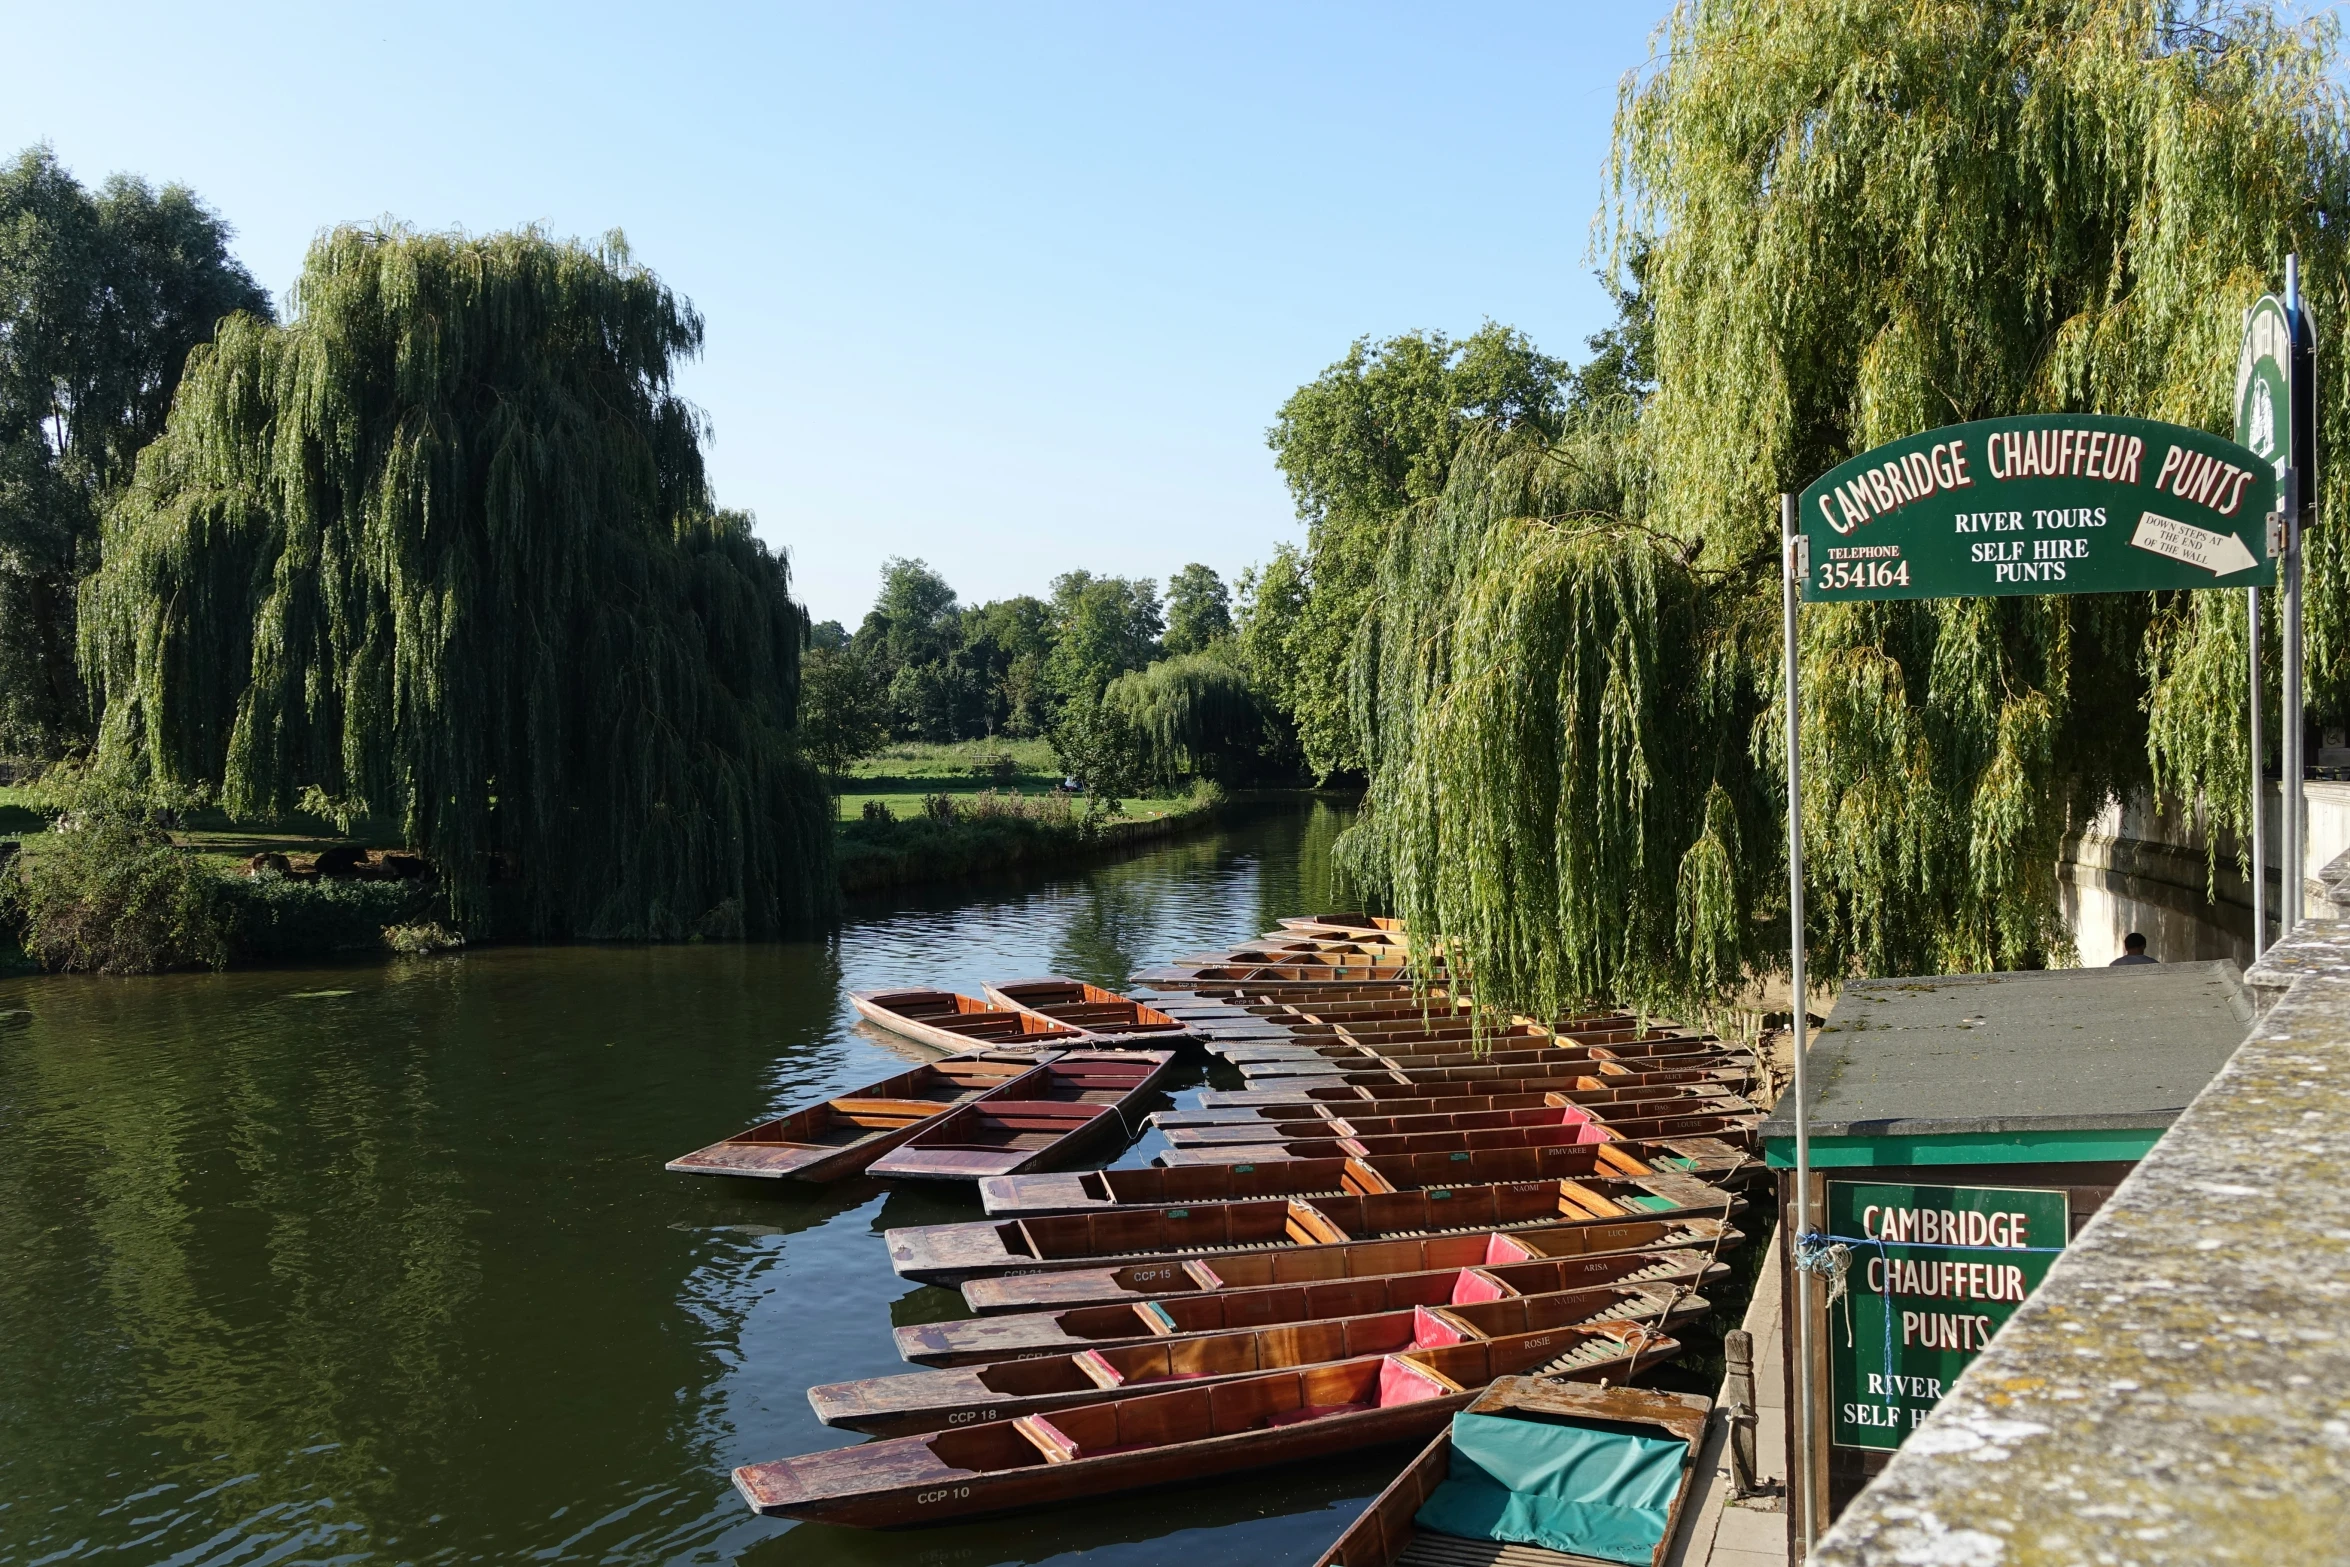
{"x":2133,"y":951}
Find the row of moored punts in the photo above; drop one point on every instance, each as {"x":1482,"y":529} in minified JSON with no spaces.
{"x":1409,"y":1221}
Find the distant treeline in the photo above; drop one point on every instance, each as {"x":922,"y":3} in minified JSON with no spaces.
{"x":1129,"y":688}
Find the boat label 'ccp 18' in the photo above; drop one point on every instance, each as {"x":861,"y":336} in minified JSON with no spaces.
{"x":1933,"y":1272}
{"x":2044,"y":503}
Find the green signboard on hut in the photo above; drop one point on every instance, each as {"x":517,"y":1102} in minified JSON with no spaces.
{"x":2046,"y":503}
{"x":1933,"y":1273}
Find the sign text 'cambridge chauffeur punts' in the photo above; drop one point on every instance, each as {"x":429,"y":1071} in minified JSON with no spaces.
{"x":1933,"y":1273}
{"x":2048,"y":503}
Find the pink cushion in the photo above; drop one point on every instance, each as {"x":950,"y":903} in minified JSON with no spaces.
{"x":1469,"y":1287}
{"x":1575,"y":1115}
{"x":1503,"y":1248}
{"x":1401,"y":1382}
{"x":1430,"y":1330}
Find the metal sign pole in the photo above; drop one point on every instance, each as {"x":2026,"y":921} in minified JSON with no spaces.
{"x":2295,"y":856}
{"x":2259,"y":783}
{"x":1798,"y":1224}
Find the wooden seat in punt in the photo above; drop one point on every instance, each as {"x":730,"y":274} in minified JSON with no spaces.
{"x":1188,"y":1433}
{"x":1107,"y":1019}
{"x":1712,"y":1119}
{"x":943,"y":1399}
{"x":1319,"y":1063}
{"x":1546,"y":1110}
{"x":1081,"y":1100}
{"x":1289,"y":1263}
{"x":840,"y":1136}
{"x":1144,"y":1237}
{"x":942,"y":1020}
{"x":1019,"y":1334}
{"x":1562,"y":1073}
{"x":1329,"y":1096}
{"x":1387,"y":1536}
{"x":1101,"y":1191}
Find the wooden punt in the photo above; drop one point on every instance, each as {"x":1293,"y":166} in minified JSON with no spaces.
{"x":1735,"y":1127}
{"x":1296,"y":1098}
{"x":1593,"y":1058}
{"x":1083,"y":1099}
{"x":1386,"y":1534}
{"x":1107,"y":1019}
{"x":943,"y":1020}
{"x":841,"y":1136}
{"x":1019,"y":1335}
{"x":1185,"y":1128}
{"x":1148,"y":1279}
{"x":948,"y":1398}
{"x":1168,"y":1237}
{"x":1377,"y":923}
{"x":1149,"y":1439}
{"x":1567,"y":1073}
{"x":1098,"y":1191}
{"x":1396,"y":976}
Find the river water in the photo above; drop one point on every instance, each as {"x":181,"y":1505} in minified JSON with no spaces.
{"x":378,"y":1262}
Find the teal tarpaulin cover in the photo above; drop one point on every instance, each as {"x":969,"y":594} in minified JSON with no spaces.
{"x":1565,"y":1488}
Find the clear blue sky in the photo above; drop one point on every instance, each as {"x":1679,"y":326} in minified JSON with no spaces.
{"x":1014,"y":289}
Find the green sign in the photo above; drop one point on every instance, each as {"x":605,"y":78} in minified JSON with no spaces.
{"x":2264,"y":384}
{"x":2046,"y":503}
{"x":1933,"y":1272}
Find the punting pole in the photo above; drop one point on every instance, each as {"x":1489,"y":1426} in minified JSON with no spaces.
{"x":2259,"y":781}
{"x":1797,"y":1225}
{"x":2294,"y":856}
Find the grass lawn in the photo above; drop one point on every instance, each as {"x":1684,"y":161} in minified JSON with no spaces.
{"x":209,"y":832}
{"x":903,"y":773}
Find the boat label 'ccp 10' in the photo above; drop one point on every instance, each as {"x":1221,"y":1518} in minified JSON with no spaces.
{"x":1932,"y":1273}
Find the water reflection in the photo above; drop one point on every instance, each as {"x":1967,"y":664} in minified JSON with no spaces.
{"x":378,"y":1262}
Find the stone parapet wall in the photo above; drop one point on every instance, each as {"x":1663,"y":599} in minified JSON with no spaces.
{"x":2137,"y":867}
{"x":2178,"y":1391}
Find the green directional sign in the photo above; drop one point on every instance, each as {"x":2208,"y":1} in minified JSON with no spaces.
{"x":2044,"y":503}
{"x":1933,"y":1272}
{"x":2264,"y":384}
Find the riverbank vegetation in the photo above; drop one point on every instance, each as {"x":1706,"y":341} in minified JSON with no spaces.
{"x":1540,"y":610}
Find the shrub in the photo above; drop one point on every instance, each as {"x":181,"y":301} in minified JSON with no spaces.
{"x":877,"y":811}
{"x":423,"y":937}
{"x":275,"y":918}
{"x":114,"y":896}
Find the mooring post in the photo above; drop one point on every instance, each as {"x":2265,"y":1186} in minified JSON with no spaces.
{"x":2295,"y":855}
{"x":1795,"y":1228}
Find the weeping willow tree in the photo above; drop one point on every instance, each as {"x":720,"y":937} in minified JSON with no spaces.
{"x":1853,"y":220}
{"x":1193,"y":716}
{"x":440,"y":551}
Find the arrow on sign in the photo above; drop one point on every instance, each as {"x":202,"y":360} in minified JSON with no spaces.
{"x":2217,"y":553}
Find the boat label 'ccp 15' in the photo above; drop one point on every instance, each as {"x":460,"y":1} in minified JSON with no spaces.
{"x":2044,"y":503}
{"x":1932,"y":1273}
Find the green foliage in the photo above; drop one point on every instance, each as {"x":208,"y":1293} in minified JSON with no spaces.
{"x":102,"y":297}
{"x":1192,"y":716}
{"x":844,"y":717}
{"x":1373,"y":436}
{"x":441,"y":549}
{"x":1268,"y":640}
{"x":1199,"y":610}
{"x":1102,"y":627}
{"x":1096,"y":745}
{"x":282,"y":919}
{"x":113,"y":894}
{"x":1847,"y":220}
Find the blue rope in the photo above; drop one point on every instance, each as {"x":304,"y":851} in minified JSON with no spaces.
{"x":1880,"y":1242}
